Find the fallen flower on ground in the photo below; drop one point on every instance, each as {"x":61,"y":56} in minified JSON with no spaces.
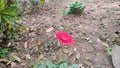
{"x":64,"y":37}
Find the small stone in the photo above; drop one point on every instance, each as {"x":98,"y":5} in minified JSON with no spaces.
{"x":75,"y":49}
{"x":78,"y":55}
{"x":83,"y":50}
{"x":88,"y":38}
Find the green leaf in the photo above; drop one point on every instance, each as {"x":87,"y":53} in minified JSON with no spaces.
{"x":5,"y":50}
{"x":42,"y":1}
{"x":2,"y":55}
{"x":114,"y":37}
{"x":74,"y":66}
{"x":49,"y":65}
{"x":34,"y":66}
{"x":13,"y":59}
{"x":109,"y":51}
{"x":8,"y":19}
{"x":11,"y":10}
{"x":41,"y":66}
{"x":18,"y":18}
{"x":63,"y":65}
{"x":2,"y":5}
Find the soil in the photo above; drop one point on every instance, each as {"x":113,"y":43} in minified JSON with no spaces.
{"x":89,"y":29}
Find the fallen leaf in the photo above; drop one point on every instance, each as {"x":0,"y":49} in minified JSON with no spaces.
{"x":103,"y":43}
{"x":17,"y":58}
{"x":49,"y":30}
{"x":40,"y":56}
{"x":25,"y":45}
{"x":28,"y":57}
{"x":9,"y":62}
{"x":36,"y":49}
{"x":9,"y":44}
{"x":39,"y":42}
{"x":4,"y":60}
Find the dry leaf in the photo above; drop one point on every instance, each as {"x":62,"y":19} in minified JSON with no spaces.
{"x":39,"y":42}
{"x":9,"y":44}
{"x":40,"y":56}
{"x":25,"y":45}
{"x":36,"y":49}
{"x":4,"y":60}
{"x":9,"y":62}
{"x":17,"y":58}
{"x":49,"y":30}
{"x":28,"y":57}
{"x":105,"y":44}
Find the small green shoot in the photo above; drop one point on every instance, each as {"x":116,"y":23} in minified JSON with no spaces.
{"x":114,"y":37}
{"x":63,"y":11}
{"x":83,"y":36}
{"x":109,"y":51}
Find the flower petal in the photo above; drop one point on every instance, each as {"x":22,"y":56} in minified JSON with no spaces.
{"x":64,"y":37}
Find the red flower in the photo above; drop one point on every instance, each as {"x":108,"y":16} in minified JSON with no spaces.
{"x":64,"y":37}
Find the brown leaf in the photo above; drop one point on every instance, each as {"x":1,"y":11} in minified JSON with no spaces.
{"x":40,"y":56}
{"x":28,"y":56}
{"x":4,"y":60}
{"x":8,"y":62}
{"x":25,"y":45}
{"x":39,"y":42}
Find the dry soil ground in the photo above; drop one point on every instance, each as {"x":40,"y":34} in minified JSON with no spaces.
{"x":90,"y":31}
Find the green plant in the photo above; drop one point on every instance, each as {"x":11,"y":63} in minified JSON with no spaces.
{"x":8,"y":27}
{"x":59,"y":64}
{"x":3,"y":52}
{"x":109,"y":51}
{"x":114,"y":37}
{"x":75,"y":7}
{"x":29,"y":6}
